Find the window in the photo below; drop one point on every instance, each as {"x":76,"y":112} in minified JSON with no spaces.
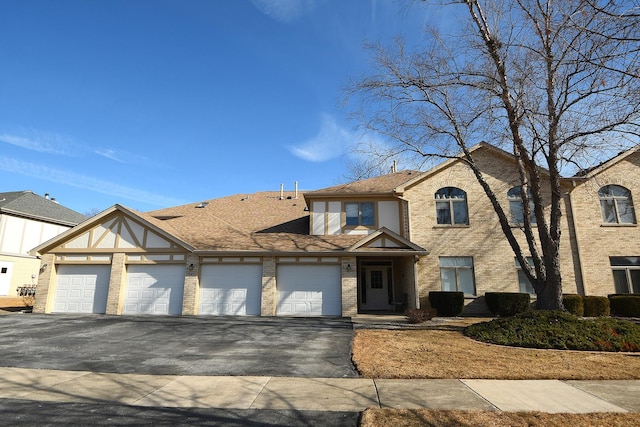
{"x":515,"y":206}
{"x":359,"y":213}
{"x":524,"y":284}
{"x":616,"y":205}
{"x":626,"y":274}
{"x":451,"y":206}
{"x":456,"y":274}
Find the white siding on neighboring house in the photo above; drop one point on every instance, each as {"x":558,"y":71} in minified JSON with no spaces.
{"x":20,"y":235}
{"x":389,"y":215}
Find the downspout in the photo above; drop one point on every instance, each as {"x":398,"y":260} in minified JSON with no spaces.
{"x":580,"y":282}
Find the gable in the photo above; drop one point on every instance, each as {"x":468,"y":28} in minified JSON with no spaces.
{"x":385,"y":239}
{"x":117,"y":229}
{"x":117,"y":232}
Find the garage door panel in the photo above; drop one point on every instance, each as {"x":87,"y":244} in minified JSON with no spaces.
{"x":81,"y":289}
{"x":231,"y":289}
{"x":154,"y":289}
{"x":309,"y":290}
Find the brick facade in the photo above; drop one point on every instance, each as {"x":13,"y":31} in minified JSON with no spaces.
{"x":483,"y":239}
{"x":596,"y":240}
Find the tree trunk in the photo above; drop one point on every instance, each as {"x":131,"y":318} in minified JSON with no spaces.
{"x":549,"y":292}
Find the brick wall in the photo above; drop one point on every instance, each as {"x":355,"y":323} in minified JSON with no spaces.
{"x":598,"y":241}
{"x":44,"y":292}
{"x":117,"y":281}
{"x":268,"y":306}
{"x":483,"y":239}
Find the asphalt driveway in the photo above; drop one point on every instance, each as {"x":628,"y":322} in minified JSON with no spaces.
{"x":260,"y":346}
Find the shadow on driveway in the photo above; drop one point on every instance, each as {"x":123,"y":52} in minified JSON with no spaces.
{"x":161,"y":345}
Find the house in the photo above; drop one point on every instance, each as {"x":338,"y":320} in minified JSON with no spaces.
{"x":375,"y":245}
{"x":27,"y":220}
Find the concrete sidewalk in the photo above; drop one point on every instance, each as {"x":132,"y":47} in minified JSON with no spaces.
{"x":321,"y":394}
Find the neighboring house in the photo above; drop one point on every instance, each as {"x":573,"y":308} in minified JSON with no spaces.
{"x":27,"y":220}
{"x":376,"y":245}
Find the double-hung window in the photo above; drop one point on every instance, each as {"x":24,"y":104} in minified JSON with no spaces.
{"x":616,"y":205}
{"x":451,"y":206}
{"x":516,"y":209}
{"x":524,"y":284}
{"x":456,"y":274}
{"x":626,"y":274}
{"x":362,"y":213}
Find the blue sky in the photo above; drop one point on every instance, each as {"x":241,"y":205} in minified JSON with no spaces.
{"x":154,"y":103}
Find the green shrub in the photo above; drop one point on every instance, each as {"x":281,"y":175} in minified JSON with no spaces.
{"x":447,"y":304}
{"x":559,"y":330}
{"x":419,"y":315}
{"x":507,"y":303}
{"x":625,"y":305}
{"x":595,"y":306}
{"x":574,"y":304}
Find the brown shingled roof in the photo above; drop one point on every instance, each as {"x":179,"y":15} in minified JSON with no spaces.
{"x":255,"y":222}
{"x":378,"y":185}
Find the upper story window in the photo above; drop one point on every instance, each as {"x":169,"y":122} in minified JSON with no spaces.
{"x":616,"y":205}
{"x":360,"y":213}
{"x":451,"y":206}
{"x":515,"y":206}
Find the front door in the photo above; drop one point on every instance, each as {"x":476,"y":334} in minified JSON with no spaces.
{"x":5,"y":277}
{"x":376,"y":289}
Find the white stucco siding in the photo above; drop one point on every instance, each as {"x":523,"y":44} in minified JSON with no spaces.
{"x":317,"y":216}
{"x":389,"y":215}
{"x":335,"y":213}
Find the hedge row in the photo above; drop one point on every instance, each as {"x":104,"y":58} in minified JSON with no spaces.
{"x":625,"y":305}
{"x":506,"y":304}
{"x":587,"y":306}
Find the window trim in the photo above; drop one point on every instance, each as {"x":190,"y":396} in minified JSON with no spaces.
{"x":451,"y":201}
{"x":520,"y":270}
{"x":627,"y":268}
{"x":518,"y":198}
{"x":457,"y":277}
{"x":359,"y":225}
{"x":614,"y":199}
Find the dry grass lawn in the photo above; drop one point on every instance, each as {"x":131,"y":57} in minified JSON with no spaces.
{"x":442,"y":351}
{"x":422,"y":418}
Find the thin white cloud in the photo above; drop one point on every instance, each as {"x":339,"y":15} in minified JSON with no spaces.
{"x":85,"y":182}
{"x":121,"y":156}
{"x":331,"y":141}
{"x":285,"y":11}
{"x":42,"y":142}
{"x":110,"y":154}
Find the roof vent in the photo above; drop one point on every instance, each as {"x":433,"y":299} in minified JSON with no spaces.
{"x":202,"y":205}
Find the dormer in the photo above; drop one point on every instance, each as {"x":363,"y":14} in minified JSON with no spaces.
{"x":359,"y":207}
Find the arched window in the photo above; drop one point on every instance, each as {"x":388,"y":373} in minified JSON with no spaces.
{"x":451,"y":206}
{"x":515,"y":206}
{"x":616,"y":205}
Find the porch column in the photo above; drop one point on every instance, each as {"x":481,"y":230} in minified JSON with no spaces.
{"x":45,"y":288}
{"x":349,"y":287}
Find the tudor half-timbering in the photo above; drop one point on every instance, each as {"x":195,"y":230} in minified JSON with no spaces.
{"x":376,"y":245}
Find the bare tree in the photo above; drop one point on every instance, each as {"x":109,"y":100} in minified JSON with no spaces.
{"x":554,"y":82}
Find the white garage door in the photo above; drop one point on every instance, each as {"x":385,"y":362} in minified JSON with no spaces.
{"x":309,"y":290}
{"x":154,"y":289}
{"x":230,"y":290}
{"x":82,"y":289}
